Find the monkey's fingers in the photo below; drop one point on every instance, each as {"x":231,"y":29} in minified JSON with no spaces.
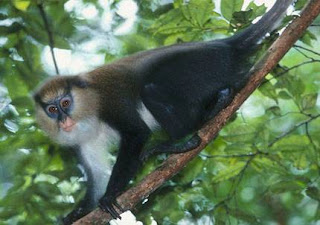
{"x":75,"y":215}
{"x":108,"y":206}
{"x":116,"y":204}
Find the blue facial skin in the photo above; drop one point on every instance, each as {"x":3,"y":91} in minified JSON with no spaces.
{"x":62,"y":111}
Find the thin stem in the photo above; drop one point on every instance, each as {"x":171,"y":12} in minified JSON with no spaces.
{"x":50,"y":36}
{"x":292,"y":129}
{"x":307,"y":49}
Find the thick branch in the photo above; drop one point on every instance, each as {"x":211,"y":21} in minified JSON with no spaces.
{"x":177,"y":162}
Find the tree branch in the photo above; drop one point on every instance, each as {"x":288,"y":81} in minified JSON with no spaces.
{"x":307,"y":49}
{"x":50,"y":35}
{"x":176,"y":162}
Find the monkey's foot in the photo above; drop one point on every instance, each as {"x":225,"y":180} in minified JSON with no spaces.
{"x":171,"y":147}
{"x":109,"y":205}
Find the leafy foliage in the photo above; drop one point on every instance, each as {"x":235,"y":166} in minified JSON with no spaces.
{"x":263,"y":168}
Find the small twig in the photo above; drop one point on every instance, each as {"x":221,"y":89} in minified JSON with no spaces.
{"x":240,"y":175}
{"x":307,"y":49}
{"x":292,"y":129}
{"x":314,"y":147}
{"x":302,"y":53}
{"x":310,"y":139}
{"x":226,"y":156}
{"x":291,"y":68}
{"x":50,"y":35}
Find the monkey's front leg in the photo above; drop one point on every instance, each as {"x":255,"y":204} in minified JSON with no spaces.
{"x":83,"y":208}
{"x":125,"y":168}
{"x":75,"y":214}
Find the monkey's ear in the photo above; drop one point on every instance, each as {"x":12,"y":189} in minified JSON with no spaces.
{"x":36,"y":96}
{"x":79,"y":82}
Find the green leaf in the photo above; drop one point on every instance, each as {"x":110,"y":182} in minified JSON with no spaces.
{"x":191,"y":171}
{"x":235,"y":148}
{"x":284,"y":95}
{"x":161,"y":208}
{"x":269,"y":90}
{"x":34,"y":27}
{"x":13,"y":28}
{"x":299,"y":4}
{"x":285,"y":186}
{"x":314,"y":193}
{"x":228,"y":7}
{"x":242,"y":18}
{"x":170,"y":23}
{"x":309,"y":101}
{"x":3,"y":16}
{"x":275,"y":110}
{"x":229,"y":172}
{"x":217,"y":25}
{"x":308,"y":37}
{"x":198,"y":11}
{"x":291,"y":143}
{"x":242,"y":134}
{"x":16,"y":87}
{"x":268,"y":166}
{"x":174,"y":38}
{"x":21,"y":4}
{"x":257,"y":10}
{"x":245,"y":216}
{"x":8,"y":213}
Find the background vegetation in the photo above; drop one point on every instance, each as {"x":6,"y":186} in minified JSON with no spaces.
{"x":262,"y":169}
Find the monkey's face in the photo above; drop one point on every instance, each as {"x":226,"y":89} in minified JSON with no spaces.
{"x":66,"y":111}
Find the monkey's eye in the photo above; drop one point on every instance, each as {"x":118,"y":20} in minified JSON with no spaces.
{"x":52,"y":109}
{"x":65,"y":102}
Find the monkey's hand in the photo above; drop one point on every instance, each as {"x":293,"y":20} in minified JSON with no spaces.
{"x":74,"y":215}
{"x":109,"y":205}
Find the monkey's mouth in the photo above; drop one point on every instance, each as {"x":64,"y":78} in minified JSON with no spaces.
{"x":67,"y":125}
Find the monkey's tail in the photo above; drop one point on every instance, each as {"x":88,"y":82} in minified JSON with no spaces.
{"x":250,"y":37}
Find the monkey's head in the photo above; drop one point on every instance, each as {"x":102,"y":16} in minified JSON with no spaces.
{"x":66,"y":109}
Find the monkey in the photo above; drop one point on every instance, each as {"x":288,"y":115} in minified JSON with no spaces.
{"x":176,"y":88}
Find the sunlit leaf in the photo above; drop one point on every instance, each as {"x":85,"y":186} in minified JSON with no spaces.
{"x":198,"y":11}
{"x":257,"y":10}
{"x":21,"y":4}
{"x":228,"y":7}
{"x":309,"y":101}
{"x":285,"y":186}
{"x":291,"y":143}
{"x":268,"y":166}
{"x":299,"y":4}
{"x":227,"y":173}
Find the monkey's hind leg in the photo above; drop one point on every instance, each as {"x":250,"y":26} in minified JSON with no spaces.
{"x":173,"y":147}
{"x":224,"y":97}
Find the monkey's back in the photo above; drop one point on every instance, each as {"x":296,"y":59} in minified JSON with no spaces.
{"x":180,"y":82}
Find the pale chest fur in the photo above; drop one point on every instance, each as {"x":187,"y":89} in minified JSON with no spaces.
{"x":95,"y":154}
{"x":94,"y":138}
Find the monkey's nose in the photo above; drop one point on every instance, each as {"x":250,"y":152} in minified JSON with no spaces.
{"x":67,"y":125}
